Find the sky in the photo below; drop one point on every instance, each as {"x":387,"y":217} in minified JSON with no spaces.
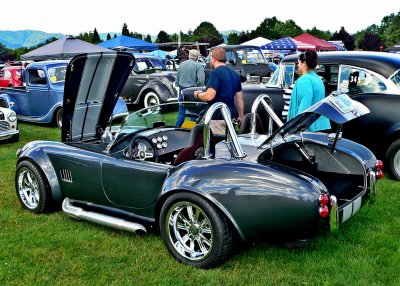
{"x":72,"y":17}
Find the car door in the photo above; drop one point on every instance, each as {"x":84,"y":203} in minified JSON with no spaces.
{"x":38,"y":96}
{"x":134,"y":184}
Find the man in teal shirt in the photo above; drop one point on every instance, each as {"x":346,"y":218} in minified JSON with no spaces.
{"x":308,"y":90}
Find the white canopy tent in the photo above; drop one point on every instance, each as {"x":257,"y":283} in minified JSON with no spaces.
{"x":259,"y":41}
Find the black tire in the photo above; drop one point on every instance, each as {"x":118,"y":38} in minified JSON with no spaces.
{"x":32,"y":187}
{"x":206,"y":229}
{"x":58,"y":117}
{"x":3,"y":104}
{"x":392,"y":160}
{"x":151,"y":98}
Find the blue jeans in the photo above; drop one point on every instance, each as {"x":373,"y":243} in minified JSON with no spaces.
{"x":182,"y":111}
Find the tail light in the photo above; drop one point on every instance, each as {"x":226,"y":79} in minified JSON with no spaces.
{"x":323,"y":208}
{"x":379,"y":167}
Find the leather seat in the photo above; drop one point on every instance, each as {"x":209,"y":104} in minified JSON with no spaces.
{"x":194,"y":148}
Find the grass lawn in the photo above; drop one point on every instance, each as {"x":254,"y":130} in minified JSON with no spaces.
{"x":54,"y":249}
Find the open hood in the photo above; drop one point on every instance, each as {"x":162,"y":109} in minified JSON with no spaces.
{"x":92,"y":86}
{"x":339,"y":108}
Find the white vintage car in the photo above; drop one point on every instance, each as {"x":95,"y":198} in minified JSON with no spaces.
{"x":8,"y":125}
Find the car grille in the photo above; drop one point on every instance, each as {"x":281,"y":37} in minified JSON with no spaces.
{"x":4,"y":126}
{"x":1,"y":116}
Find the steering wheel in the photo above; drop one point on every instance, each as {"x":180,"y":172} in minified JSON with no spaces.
{"x":141,"y":148}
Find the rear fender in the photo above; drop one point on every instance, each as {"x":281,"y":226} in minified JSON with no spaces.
{"x":161,"y":89}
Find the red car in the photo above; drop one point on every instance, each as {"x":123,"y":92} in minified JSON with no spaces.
{"x":11,"y":76}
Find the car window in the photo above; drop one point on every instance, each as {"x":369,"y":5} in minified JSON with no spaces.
{"x":358,"y":80}
{"x":57,"y":74}
{"x":37,"y":76}
{"x":7,"y":74}
{"x":396,"y":78}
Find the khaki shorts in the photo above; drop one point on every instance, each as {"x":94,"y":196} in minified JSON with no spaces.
{"x":218,"y":127}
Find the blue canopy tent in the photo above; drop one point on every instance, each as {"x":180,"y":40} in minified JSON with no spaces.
{"x":128,"y":43}
{"x":287,"y":43}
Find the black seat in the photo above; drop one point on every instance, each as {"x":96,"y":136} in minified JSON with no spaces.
{"x":195,"y":145}
{"x":245,"y":126}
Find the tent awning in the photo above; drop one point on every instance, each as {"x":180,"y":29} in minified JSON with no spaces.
{"x":287,"y":43}
{"x":125,"y":42}
{"x":320,"y":44}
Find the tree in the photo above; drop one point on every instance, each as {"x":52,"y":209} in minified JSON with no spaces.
{"x":163,"y":37}
{"x":370,"y":42}
{"x":125,"y":30}
{"x":108,"y":36}
{"x":392,"y":33}
{"x":326,"y":35}
{"x":148,"y":38}
{"x":233,"y":39}
{"x":267,"y":29}
{"x":136,"y":35}
{"x":346,"y":38}
{"x":206,"y":32}
{"x":95,"y":37}
{"x":287,"y":29}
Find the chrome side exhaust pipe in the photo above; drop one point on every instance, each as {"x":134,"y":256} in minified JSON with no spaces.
{"x":105,"y":220}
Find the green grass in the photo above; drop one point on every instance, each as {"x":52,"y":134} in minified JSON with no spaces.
{"x":54,"y":249}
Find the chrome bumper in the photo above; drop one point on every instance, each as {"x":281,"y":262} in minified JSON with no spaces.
{"x":8,"y":134}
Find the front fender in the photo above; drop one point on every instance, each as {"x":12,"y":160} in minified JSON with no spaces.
{"x":255,"y":198}
{"x":10,"y":98}
{"x":34,"y":151}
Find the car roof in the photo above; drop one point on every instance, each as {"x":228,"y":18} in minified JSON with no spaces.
{"x":382,"y":63}
{"x":234,"y":47}
{"x":49,"y":63}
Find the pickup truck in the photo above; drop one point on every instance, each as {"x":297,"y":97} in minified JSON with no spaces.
{"x":40,"y":100}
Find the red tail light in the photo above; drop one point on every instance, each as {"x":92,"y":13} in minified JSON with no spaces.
{"x":379,"y":167}
{"x":323,"y":211}
{"x":323,"y":199}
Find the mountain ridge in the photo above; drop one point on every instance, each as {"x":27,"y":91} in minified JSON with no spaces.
{"x":31,"y":38}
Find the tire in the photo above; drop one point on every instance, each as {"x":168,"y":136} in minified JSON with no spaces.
{"x":58,"y":117}
{"x":3,"y":104}
{"x":392,"y":160}
{"x":151,"y":98}
{"x":32,"y":187}
{"x":194,"y":231}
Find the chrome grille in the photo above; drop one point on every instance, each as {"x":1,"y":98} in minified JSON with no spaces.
{"x":2,"y":116}
{"x":4,"y":126}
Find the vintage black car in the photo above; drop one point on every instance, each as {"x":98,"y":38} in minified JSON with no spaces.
{"x":372,"y":78}
{"x":200,"y":191}
{"x":248,"y":61}
{"x":150,"y":82}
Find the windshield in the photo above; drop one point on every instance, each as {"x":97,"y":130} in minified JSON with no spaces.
{"x":251,"y":56}
{"x":143,"y":64}
{"x":166,"y":115}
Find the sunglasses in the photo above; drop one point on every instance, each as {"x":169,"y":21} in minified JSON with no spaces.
{"x":303,"y":57}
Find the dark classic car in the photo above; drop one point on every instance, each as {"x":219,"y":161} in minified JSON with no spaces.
{"x":150,"y":82}
{"x":372,"y":78}
{"x":200,"y":191}
{"x":248,"y":61}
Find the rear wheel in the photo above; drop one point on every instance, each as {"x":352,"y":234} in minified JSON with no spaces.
{"x":32,"y":188}
{"x":393,"y":160}
{"x":58,"y":117}
{"x":151,"y":98}
{"x":195,"y":232}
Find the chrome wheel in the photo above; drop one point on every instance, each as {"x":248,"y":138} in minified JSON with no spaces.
{"x":396,"y":163}
{"x":32,"y":188}
{"x":151,"y":99}
{"x":28,"y":188}
{"x":190,"y":231}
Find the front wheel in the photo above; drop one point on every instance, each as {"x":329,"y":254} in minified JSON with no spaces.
{"x":32,"y":188}
{"x":393,"y":160}
{"x":195,"y":232}
{"x":151,"y":98}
